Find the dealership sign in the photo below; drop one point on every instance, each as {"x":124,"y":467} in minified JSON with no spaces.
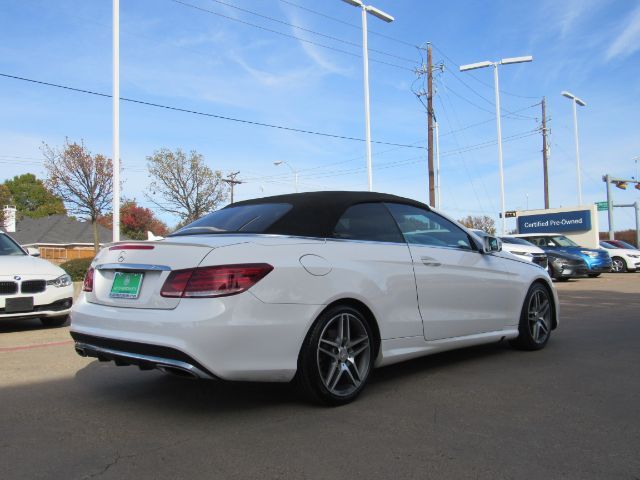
{"x":575,"y":221}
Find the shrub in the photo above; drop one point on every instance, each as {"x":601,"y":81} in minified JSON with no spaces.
{"x":77,"y":268}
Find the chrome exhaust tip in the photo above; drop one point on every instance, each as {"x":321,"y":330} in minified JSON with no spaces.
{"x":180,"y":372}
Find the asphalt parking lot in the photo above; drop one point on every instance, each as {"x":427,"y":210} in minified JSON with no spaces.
{"x":569,"y":411}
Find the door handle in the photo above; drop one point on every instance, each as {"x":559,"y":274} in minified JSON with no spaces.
{"x":430,"y":262}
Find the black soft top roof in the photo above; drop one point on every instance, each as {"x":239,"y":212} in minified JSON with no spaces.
{"x":315,"y":214}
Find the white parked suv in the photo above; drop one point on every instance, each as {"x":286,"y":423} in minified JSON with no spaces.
{"x":520,"y":248}
{"x":31,"y":287}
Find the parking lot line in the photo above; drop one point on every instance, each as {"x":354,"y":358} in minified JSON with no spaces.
{"x":35,"y":345}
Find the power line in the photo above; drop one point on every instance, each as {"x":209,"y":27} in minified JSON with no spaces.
{"x":287,"y":35}
{"x":298,"y":27}
{"x":343,"y":22}
{"x":211,"y":115}
{"x":419,"y":159}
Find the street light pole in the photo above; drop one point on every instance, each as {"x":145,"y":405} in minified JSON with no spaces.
{"x":576,"y":101}
{"x":116,"y":120}
{"x":575,"y":134}
{"x":496,"y":84}
{"x":295,"y":172}
{"x":367,"y":113}
{"x":365,"y":63}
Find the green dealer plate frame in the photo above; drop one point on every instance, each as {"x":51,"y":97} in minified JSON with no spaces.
{"x":126,"y":285}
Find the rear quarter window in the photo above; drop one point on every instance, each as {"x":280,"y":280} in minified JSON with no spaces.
{"x":368,"y":221}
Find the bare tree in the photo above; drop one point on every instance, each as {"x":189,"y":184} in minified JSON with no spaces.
{"x":83,"y":181}
{"x":484,"y":223}
{"x":183,"y":185}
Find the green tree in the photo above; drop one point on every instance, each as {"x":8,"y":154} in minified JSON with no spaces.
{"x":484,"y":223}
{"x":83,"y":180}
{"x":184,"y":185}
{"x":32,"y":198}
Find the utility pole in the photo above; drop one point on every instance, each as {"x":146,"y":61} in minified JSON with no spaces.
{"x":439,"y":190}
{"x":232,"y":182}
{"x":545,"y":153}
{"x":432,"y":192}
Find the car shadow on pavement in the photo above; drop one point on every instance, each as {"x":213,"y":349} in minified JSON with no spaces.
{"x":25,"y":325}
{"x":164,"y":391}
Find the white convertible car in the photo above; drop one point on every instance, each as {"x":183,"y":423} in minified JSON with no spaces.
{"x":318,"y":287}
{"x":31,"y":287}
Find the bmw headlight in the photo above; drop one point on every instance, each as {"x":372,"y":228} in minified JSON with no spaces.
{"x":523,"y":254}
{"x":589,"y":253}
{"x":61,"y":281}
{"x":632,"y":255}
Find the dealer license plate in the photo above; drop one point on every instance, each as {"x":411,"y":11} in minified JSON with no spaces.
{"x":126,"y":285}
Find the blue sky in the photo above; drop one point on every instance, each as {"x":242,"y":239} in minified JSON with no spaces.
{"x":177,"y":55}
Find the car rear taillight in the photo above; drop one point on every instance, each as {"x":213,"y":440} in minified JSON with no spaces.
{"x":216,"y":281}
{"x":87,"y":285}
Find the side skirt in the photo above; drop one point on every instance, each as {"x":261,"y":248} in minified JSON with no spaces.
{"x":400,"y":349}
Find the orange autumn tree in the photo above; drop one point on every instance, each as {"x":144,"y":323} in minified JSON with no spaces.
{"x":136,"y":221}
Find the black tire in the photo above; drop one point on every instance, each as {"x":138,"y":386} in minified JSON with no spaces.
{"x":593,"y":275}
{"x":342,"y":363}
{"x":618,"y":265}
{"x":54,"y":321}
{"x":529,"y":336}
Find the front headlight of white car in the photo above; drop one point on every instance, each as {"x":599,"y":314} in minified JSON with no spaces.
{"x":524,"y":254}
{"x":61,"y":281}
{"x":633,"y":255}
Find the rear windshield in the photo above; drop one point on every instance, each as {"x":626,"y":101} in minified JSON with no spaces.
{"x":255,"y":218}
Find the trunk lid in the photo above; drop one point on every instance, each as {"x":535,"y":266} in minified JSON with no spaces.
{"x":149,"y":264}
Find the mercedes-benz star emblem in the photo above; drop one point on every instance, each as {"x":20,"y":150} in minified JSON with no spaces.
{"x":121,"y":256}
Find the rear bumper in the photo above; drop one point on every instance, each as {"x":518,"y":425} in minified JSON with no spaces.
{"x":232,"y":338}
{"x":146,"y":357}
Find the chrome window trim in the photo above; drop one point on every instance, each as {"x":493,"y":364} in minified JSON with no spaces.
{"x":332,"y":239}
{"x":133,"y":266}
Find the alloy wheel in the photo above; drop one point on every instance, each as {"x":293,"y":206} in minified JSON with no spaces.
{"x":539,"y":316}
{"x":343,"y":354}
{"x":617,"y":265}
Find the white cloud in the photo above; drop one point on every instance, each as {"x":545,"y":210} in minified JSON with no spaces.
{"x":628,"y":41}
{"x":313,"y":52}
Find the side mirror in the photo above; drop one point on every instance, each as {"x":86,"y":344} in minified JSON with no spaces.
{"x":492,"y":244}
{"x":34,"y":252}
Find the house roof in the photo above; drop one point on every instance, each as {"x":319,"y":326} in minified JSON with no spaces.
{"x":57,"y":229}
